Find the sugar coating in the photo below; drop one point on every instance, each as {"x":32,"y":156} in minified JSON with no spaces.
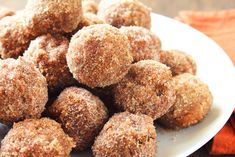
{"x":124,"y":13}
{"x":36,"y":138}
{"x":178,"y":61}
{"x":144,"y":43}
{"x":53,"y":16}
{"x":99,"y":55}
{"x":89,"y":6}
{"x":126,"y":134}
{"x":23,"y":91}
{"x":48,"y":53}
{"x":193,"y":102}
{"x":39,"y":17}
{"x":81,"y":114}
{"x":14,"y":36}
{"x":6,"y":12}
{"x":145,"y":89}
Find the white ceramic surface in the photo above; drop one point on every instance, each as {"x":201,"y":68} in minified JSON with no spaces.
{"x":214,"y":68}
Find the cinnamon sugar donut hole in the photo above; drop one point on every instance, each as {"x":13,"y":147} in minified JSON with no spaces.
{"x":193,"y":102}
{"x":36,"y":137}
{"x":38,"y":18}
{"x":144,"y":43}
{"x":125,"y":13}
{"x":48,"y":53}
{"x":23,"y":91}
{"x":99,"y":55}
{"x":15,"y":36}
{"x":126,"y":134}
{"x":145,"y":89}
{"x":81,"y":114}
{"x":178,"y":61}
{"x":59,"y":16}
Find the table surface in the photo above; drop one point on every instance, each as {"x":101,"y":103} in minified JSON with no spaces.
{"x":170,"y":8}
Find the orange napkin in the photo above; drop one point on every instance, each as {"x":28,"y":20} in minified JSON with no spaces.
{"x":220,"y":26}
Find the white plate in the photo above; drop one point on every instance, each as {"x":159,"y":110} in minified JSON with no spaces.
{"x":214,"y":68}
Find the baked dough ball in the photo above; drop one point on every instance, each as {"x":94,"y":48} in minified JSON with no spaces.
{"x":126,"y":134}
{"x":144,"y":43}
{"x":23,"y":91}
{"x":81,"y":114}
{"x":178,"y":61}
{"x":145,"y":89}
{"x":124,"y":13}
{"x":60,"y":16}
{"x":193,"y":102}
{"x":36,"y":138}
{"x":99,"y":55}
{"x":48,"y":53}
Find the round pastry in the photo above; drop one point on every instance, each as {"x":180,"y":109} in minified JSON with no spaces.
{"x":36,"y":137}
{"x":126,"y":134}
{"x":23,"y":91}
{"x":81,"y":114}
{"x":99,"y":55}
{"x":48,"y":53}
{"x":178,"y":61}
{"x":145,"y":89}
{"x":15,"y":36}
{"x":144,"y":43}
{"x":124,"y":13}
{"x":193,"y":102}
{"x":60,"y":16}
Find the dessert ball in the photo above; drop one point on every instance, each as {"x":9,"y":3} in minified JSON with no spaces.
{"x":48,"y":53}
{"x":89,"y":6}
{"x":145,"y":89}
{"x":36,"y":137}
{"x":99,"y":55}
{"x":124,"y":13}
{"x":144,"y":43}
{"x":53,"y":16}
{"x":14,"y":36}
{"x":126,"y":134}
{"x":6,"y":12}
{"x":23,"y":91}
{"x":81,"y":114}
{"x":193,"y":102}
{"x":178,"y":61}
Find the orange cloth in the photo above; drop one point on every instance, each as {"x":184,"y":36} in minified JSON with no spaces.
{"x":224,"y":141}
{"x":220,"y":26}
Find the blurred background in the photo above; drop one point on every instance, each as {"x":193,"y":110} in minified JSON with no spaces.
{"x":165,"y":7}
